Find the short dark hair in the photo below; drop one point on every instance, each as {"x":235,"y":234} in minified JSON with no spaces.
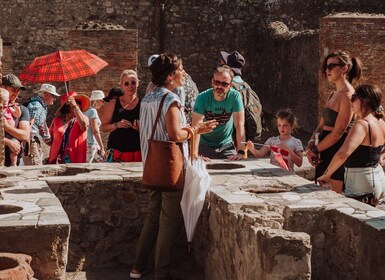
{"x":162,"y":66}
{"x":224,"y":69}
{"x":287,"y":114}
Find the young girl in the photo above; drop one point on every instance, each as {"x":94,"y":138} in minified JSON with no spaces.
{"x":284,"y":145}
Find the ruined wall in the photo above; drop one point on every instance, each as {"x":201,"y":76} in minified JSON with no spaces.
{"x":363,"y":36}
{"x":117,"y":46}
{"x":280,"y":68}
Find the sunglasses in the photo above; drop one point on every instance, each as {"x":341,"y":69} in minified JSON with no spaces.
{"x":330,"y":66}
{"x":133,"y":83}
{"x":354,"y":97}
{"x":219,"y":83}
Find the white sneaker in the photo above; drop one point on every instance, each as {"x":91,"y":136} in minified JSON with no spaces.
{"x":137,"y":275}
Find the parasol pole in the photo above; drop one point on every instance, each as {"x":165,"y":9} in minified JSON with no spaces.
{"x":65,"y":85}
{"x":62,"y":69}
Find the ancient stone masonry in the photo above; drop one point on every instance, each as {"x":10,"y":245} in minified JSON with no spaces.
{"x":363,"y":36}
{"x":258,"y":222}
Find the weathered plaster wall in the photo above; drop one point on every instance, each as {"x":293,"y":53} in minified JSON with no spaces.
{"x":281,"y":62}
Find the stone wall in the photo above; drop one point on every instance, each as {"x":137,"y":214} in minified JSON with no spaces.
{"x":106,"y":214}
{"x":363,"y":36}
{"x":278,"y":38}
{"x":258,"y":222}
{"x":33,"y":222}
{"x":117,"y":46}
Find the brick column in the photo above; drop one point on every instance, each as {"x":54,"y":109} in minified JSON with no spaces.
{"x":118,"y":47}
{"x":363,"y":36}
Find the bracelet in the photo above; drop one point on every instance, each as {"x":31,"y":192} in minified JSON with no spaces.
{"x":76,"y":109}
{"x":196,"y":129}
{"x":116,"y":124}
{"x":241,"y":152}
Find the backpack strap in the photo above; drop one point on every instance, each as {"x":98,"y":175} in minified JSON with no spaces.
{"x":370,"y":134}
{"x":66,"y":137}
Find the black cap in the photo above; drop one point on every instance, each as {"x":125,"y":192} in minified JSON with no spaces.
{"x":234,"y":60}
{"x":12,"y":81}
{"x":114,"y":93}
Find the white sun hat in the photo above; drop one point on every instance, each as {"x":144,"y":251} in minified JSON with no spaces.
{"x":97,"y":95}
{"x":48,"y":88}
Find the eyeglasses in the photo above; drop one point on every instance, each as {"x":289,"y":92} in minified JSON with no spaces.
{"x":133,"y":83}
{"x":330,"y":66}
{"x":219,"y":83}
{"x":354,"y":97}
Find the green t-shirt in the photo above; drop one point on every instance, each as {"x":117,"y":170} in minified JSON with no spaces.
{"x":222,"y":111}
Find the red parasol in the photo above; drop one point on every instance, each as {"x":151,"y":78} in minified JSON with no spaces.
{"x":62,"y":66}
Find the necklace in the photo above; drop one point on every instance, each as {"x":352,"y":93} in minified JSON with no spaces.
{"x":128,"y":104}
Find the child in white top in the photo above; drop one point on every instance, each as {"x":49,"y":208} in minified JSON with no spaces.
{"x":285,"y":149}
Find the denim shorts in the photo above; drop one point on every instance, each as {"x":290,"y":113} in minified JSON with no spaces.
{"x":363,"y":180}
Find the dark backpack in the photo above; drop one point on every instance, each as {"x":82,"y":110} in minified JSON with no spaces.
{"x":253,"y":110}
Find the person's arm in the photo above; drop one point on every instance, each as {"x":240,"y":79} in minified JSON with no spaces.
{"x":14,"y":146}
{"x":239,"y":123}
{"x":196,"y":119}
{"x":21,"y":133}
{"x":96,"y":133}
{"x":173,"y":128}
{"x":296,"y":156}
{"x":176,"y":133}
{"x":311,"y":141}
{"x":355,"y":137}
{"x":257,"y":153}
{"x":80,"y":117}
{"x":106,"y":118}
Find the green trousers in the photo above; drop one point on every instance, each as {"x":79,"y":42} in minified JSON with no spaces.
{"x":161,"y":228}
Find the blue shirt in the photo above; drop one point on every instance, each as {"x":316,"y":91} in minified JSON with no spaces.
{"x":38,"y":111}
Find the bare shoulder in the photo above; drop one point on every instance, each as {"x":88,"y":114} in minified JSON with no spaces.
{"x":382,"y":125}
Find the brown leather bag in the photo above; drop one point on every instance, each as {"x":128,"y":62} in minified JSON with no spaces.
{"x":164,"y":166}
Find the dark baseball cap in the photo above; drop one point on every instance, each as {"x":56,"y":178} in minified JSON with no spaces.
{"x":114,"y":93}
{"x":12,"y":81}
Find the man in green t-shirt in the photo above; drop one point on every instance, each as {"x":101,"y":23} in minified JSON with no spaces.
{"x":223,"y":104}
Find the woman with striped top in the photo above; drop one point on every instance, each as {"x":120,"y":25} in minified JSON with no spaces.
{"x":164,"y":213}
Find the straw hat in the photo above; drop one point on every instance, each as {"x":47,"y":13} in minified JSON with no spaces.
{"x":84,"y":101}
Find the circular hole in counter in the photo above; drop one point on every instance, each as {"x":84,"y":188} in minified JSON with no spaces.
{"x":7,"y":263}
{"x":224,"y":166}
{"x":8,"y":209}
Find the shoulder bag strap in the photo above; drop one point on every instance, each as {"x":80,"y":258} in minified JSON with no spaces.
{"x":66,"y":136}
{"x":192,"y":141}
{"x":158,"y":115}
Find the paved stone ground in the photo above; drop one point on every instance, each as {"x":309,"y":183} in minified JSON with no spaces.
{"x":185,"y":268}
